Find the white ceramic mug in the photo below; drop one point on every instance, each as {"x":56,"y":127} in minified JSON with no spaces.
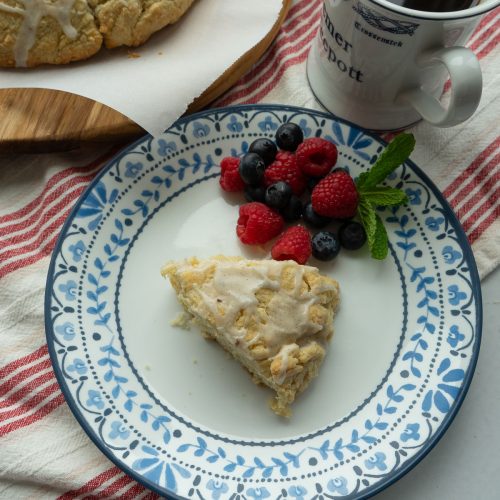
{"x":383,"y":67}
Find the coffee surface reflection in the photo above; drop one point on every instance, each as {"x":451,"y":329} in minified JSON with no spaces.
{"x":436,"y":5}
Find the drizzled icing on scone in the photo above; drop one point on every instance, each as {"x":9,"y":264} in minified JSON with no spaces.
{"x":234,"y":287}
{"x":284,"y":355}
{"x":33,"y":12}
{"x":285,"y":320}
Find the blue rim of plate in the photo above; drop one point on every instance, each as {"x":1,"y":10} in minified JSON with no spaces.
{"x":461,"y":240}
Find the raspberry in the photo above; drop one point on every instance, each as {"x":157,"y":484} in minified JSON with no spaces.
{"x":335,"y":196}
{"x":229,"y":163}
{"x":230,"y":179}
{"x":257,"y":224}
{"x":316,"y":156}
{"x":293,"y":244}
{"x":284,"y":168}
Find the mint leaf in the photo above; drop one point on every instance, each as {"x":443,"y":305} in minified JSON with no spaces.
{"x":384,"y":196}
{"x":376,"y":234}
{"x":361,"y":180}
{"x":368,"y":218}
{"x":380,"y":247}
{"x":396,"y":152}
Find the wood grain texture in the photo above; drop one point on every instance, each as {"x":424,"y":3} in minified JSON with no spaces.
{"x":38,"y":120}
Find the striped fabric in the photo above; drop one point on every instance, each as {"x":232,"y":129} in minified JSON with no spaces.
{"x":44,"y":453}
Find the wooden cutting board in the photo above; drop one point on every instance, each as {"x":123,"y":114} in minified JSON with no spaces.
{"x":26,"y":126}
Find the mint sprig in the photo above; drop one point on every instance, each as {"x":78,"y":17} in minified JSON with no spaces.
{"x":396,"y":152}
{"x":371,"y":195}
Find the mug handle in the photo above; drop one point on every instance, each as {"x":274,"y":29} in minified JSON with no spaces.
{"x":466,"y":87}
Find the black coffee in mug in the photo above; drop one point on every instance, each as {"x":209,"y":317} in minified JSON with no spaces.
{"x":436,"y":5}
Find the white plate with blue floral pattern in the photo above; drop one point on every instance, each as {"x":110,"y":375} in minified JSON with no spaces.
{"x":172,"y":410}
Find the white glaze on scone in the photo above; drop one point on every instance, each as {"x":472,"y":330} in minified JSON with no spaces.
{"x":234,"y":285}
{"x":32,"y":13}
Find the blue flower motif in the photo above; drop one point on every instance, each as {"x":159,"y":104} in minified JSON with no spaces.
{"x":392,"y":176}
{"x":94,"y":203}
{"x":67,"y":330}
{"x":95,"y":399}
{"x":218,"y":488}
{"x":77,"y":366}
{"x":433,"y":223}
{"x":200,"y":129}
{"x":455,"y":296}
{"x":338,"y":485}
{"x":77,"y":250}
{"x":440,"y":397}
{"x":414,"y":195}
{"x":132,"y":169}
{"x":234,"y":125}
{"x":166,"y":148}
{"x":118,"y":430}
{"x":69,"y":289}
{"x":454,"y":336}
{"x":154,"y":469}
{"x":356,"y":139}
{"x":411,"y":432}
{"x":297,"y":492}
{"x":267,"y":125}
{"x":258,"y":493}
{"x":376,"y":461}
{"x":450,"y":255}
{"x":303,"y":125}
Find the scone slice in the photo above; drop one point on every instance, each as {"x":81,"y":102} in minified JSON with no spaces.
{"x":275,"y":318}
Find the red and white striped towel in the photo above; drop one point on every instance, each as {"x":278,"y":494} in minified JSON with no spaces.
{"x":44,"y":453}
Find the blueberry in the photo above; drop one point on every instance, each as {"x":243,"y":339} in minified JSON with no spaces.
{"x":265,"y":148}
{"x":312,"y":181}
{"x":255,"y":193}
{"x":313,"y":219}
{"x":252,"y":168}
{"x":352,"y":235}
{"x":325,"y":245}
{"x":278,"y":195}
{"x":289,"y":136}
{"x":293,"y":210}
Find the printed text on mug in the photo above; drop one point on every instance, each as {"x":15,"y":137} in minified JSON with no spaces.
{"x":342,"y":43}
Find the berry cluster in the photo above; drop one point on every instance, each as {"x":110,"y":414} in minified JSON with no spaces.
{"x":275,"y":177}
